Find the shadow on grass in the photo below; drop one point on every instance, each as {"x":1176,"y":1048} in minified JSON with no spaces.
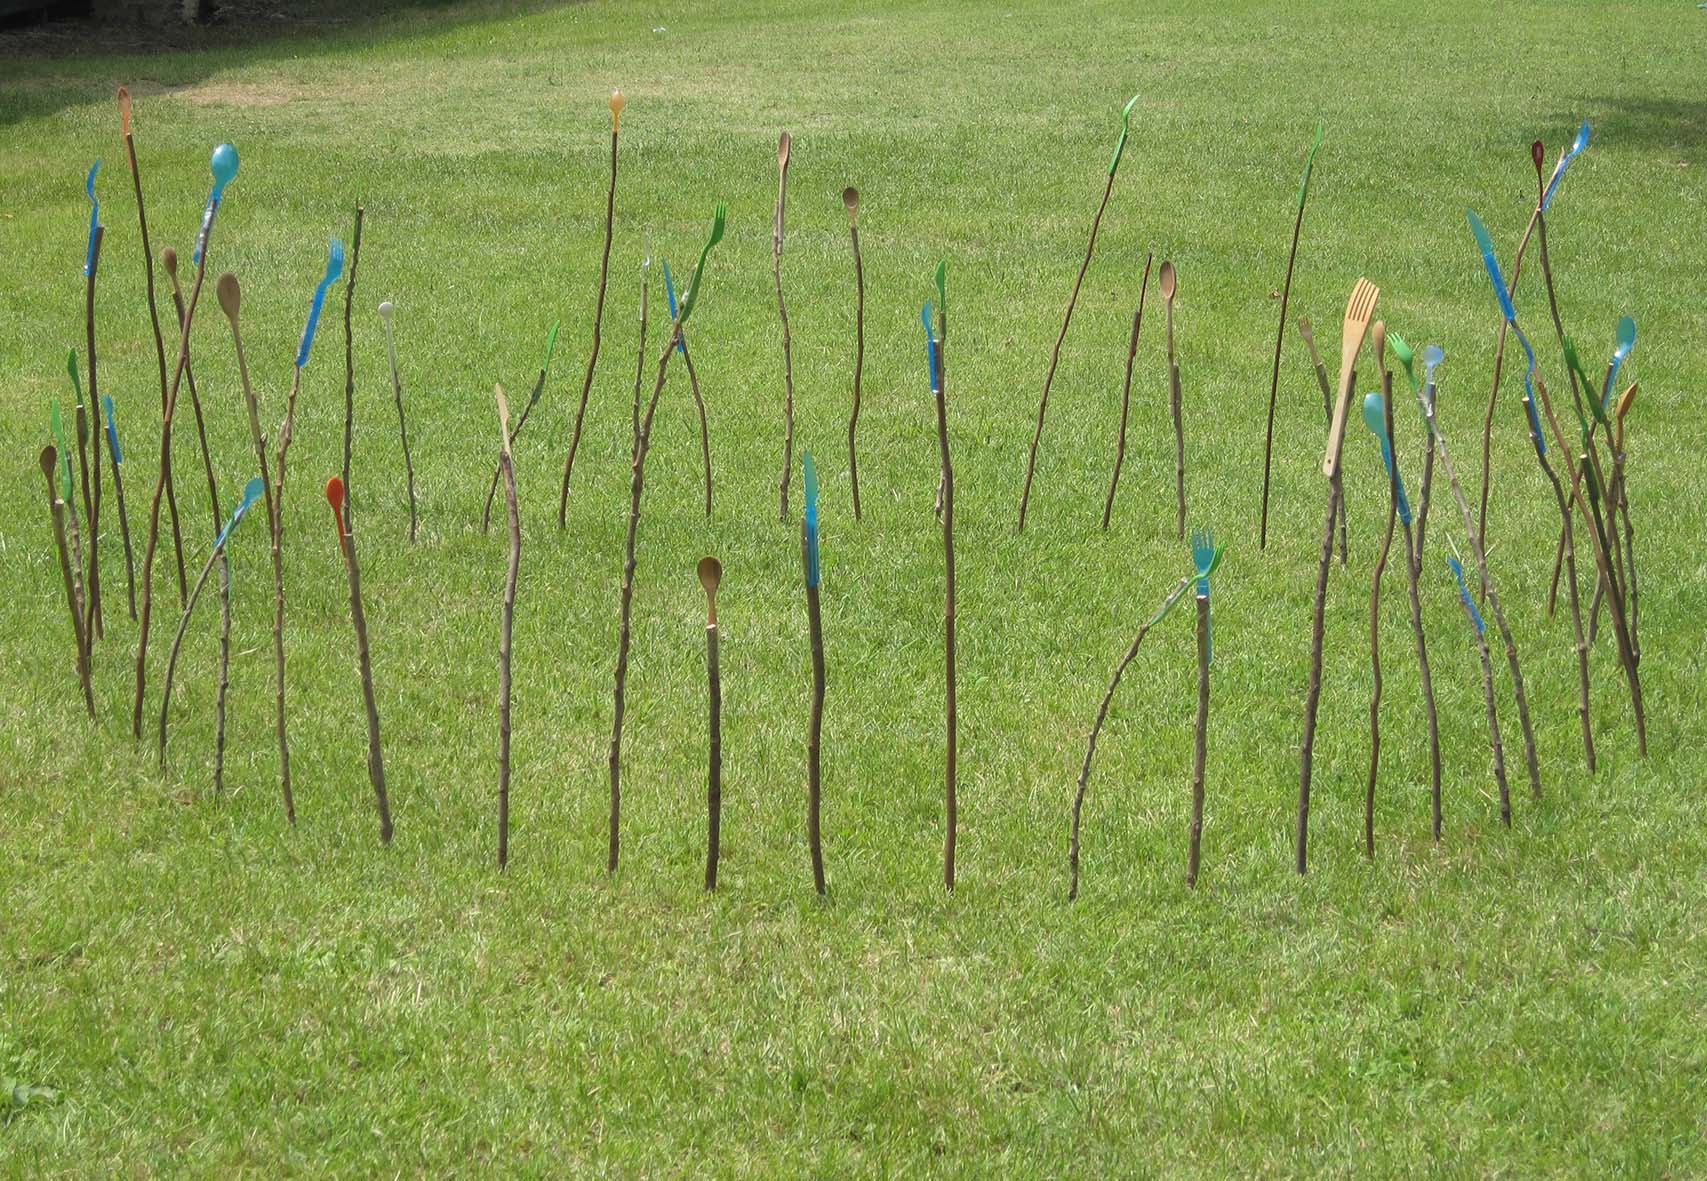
{"x":1656,"y":124}
{"x":53,"y":64}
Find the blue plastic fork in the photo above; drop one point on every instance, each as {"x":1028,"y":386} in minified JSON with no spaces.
{"x":1207,"y":557}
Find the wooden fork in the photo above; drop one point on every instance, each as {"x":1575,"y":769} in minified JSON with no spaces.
{"x":1357,"y":315}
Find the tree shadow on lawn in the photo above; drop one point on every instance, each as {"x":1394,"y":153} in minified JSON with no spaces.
{"x":1656,"y":124}
{"x":60,"y":63}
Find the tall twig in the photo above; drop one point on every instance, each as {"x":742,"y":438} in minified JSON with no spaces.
{"x":117,"y":457}
{"x":777,"y":224}
{"x":337,"y":496}
{"x":1126,"y":393}
{"x":350,"y":375}
{"x":850,"y":199}
{"x":50,"y":469}
{"x":506,"y":468}
{"x":951,"y":802}
{"x":815,"y":723}
{"x":616,"y":105}
{"x":385,"y":312}
{"x":92,"y":492}
{"x":1327,"y":407}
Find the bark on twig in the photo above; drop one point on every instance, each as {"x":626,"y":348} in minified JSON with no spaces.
{"x":782,"y":314}
{"x":506,"y":468}
{"x":350,"y":377}
{"x":598,"y":320}
{"x":1200,"y":745}
{"x":50,"y":469}
{"x":1126,"y":395}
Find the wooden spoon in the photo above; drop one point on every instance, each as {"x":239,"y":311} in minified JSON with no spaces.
{"x":850,"y":198}
{"x":1169,"y":283}
{"x":710,"y":574}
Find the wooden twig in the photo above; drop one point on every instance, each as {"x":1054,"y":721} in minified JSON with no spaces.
{"x":616,"y":105}
{"x":1375,"y":611}
{"x":506,"y":621}
{"x":850,"y":199}
{"x":92,"y":492}
{"x":637,"y":479}
{"x":1473,"y":538}
{"x":710,"y":575}
{"x":1327,"y":407}
{"x":1280,"y":337}
{"x":214,"y":556}
{"x":50,"y":470}
{"x":338,"y":498}
{"x":1126,"y":394}
{"x":170,"y":259}
{"x":350,"y":375}
{"x":230,"y":301}
{"x":1096,"y":728}
{"x":1478,"y":629}
{"x":782,"y":149}
{"x":1494,"y":389}
{"x":521,"y":421}
{"x":951,"y":803}
{"x":815,"y":723}
{"x":159,"y":341}
{"x":117,"y":456}
{"x":1066,"y":319}
{"x":1179,"y":429}
{"x":1200,"y":746}
{"x":385,"y":312}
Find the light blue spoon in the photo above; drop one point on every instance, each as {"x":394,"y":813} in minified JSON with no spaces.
{"x":1626,"y":342}
{"x":1487,"y":247}
{"x":334,"y":268}
{"x":223,"y":164}
{"x":930,"y":345}
{"x":112,"y":429}
{"x":1464,"y":593}
{"x":251,"y":491}
{"x":1432,"y":356}
{"x":670,"y":291}
{"x":1577,"y":145}
{"x":811,"y":481}
{"x":1375,"y":418}
{"x":94,"y":217}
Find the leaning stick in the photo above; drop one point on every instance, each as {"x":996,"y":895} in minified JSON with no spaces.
{"x":216,"y":554}
{"x":1569,"y":535}
{"x":693,"y":386}
{"x":1126,"y":394}
{"x":224,"y":167}
{"x":117,"y":457}
{"x":1494,"y":389}
{"x":169,"y":259}
{"x":1479,"y":629}
{"x":1072,"y":301}
{"x":350,"y":376}
{"x":850,"y":199}
{"x":815,"y":724}
{"x":1102,"y":714}
{"x":1327,"y":406}
{"x":385,"y":312}
{"x":1379,"y":334}
{"x":1200,"y":743}
{"x":159,"y":341}
{"x":70,"y":501}
{"x":1280,"y":335}
{"x":642,"y":443}
{"x":616,"y":105}
{"x":336,"y":497}
{"x":506,"y":621}
{"x":710,"y":575}
{"x":782,"y":146}
{"x":50,"y":462}
{"x":92,"y":492}
{"x":1174,"y":403}
{"x":1487,"y":585}
{"x":953,"y":742}
{"x":521,"y":421}
{"x":230,"y":301}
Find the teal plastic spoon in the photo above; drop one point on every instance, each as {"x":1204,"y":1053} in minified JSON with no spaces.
{"x":223,"y":165}
{"x":94,"y":216}
{"x":1375,"y":418}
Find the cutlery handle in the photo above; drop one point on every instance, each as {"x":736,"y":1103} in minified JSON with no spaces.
{"x":1336,"y":429}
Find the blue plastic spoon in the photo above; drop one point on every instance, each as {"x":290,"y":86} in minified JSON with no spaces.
{"x":930,"y":345}
{"x":1464,"y":593}
{"x":112,"y":429}
{"x":94,"y":217}
{"x":811,"y":481}
{"x":1577,"y":145}
{"x":1375,"y":418}
{"x":1626,"y":342}
{"x":670,"y":292}
{"x":223,"y":164}
{"x":334,"y":268}
{"x":251,"y":492}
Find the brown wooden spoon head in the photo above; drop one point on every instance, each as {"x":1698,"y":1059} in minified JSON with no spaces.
{"x":50,"y":463}
{"x":1378,"y":339}
{"x":1167,"y":280}
{"x":710,"y":574}
{"x":124,"y":109}
{"x":782,"y":145}
{"x":169,"y":260}
{"x":850,"y":198}
{"x":230,"y":296}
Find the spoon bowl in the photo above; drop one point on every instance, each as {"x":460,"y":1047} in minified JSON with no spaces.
{"x":850,"y":198}
{"x":782,"y":145}
{"x":230,"y":295}
{"x":124,"y":109}
{"x":1167,"y":280}
{"x":710,"y":575}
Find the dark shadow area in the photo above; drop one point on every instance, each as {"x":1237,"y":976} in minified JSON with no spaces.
{"x":72,"y":48}
{"x":1657,"y":124}
{"x":63,"y":29}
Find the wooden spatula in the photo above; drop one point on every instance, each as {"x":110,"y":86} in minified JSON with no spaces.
{"x":1357,"y":315}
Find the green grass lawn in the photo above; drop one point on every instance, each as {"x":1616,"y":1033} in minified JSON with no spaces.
{"x":210,"y":991}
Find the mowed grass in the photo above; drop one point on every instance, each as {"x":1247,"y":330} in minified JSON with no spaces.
{"x":210,"y":991}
